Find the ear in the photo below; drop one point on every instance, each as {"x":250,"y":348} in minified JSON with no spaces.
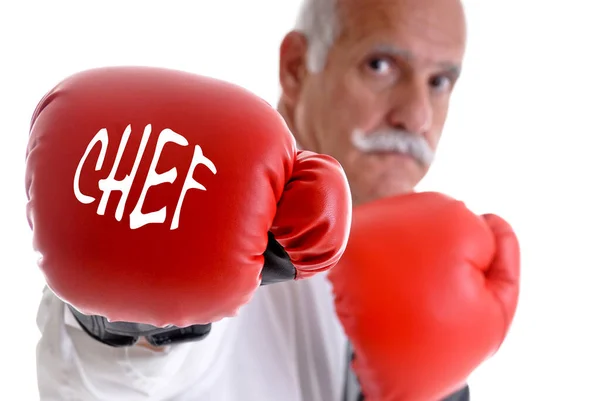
{"x":292,"y":66}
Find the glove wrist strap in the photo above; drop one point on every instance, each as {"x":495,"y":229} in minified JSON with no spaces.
{"x":124,"y":334}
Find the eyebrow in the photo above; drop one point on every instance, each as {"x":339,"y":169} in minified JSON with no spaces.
{"x":451,"y":67}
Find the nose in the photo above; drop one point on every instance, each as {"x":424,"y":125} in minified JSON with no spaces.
{"x":411,"y":108}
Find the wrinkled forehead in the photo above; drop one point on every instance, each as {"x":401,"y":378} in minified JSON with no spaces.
{"x":428,"y":29}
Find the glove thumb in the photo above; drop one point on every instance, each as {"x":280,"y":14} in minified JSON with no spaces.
{"x":503,"y":276}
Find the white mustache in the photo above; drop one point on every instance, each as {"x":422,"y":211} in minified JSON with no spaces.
{"x":394,"y":141}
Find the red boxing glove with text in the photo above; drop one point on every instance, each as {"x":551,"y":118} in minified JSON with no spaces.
{"x":426,"y":292}
{"x":153,"y":195}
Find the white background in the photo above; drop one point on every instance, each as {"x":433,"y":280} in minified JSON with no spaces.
{"x":521,"y":141}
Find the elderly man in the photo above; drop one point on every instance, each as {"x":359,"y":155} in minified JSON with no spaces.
{"x":365,"y":81}
{"x":370,"y":84}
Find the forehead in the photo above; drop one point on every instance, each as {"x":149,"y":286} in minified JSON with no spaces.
{"x":430,"y":30}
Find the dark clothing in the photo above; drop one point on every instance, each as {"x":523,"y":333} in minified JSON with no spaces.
{"x":460,"y":395}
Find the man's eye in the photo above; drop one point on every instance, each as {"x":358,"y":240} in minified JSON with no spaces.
{"x":380,"y":65}
{"x":440,"y":83}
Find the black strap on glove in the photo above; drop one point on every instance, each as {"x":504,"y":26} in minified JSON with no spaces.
{"x":277,"y":268}
{"x":124,"y":334}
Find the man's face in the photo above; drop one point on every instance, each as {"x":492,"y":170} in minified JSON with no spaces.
{"x":381,"y":101}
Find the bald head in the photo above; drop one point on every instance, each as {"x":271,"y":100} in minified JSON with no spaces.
{"x":322,"y":22}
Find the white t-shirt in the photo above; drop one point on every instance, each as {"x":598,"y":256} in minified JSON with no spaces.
{"x":285,"y":345}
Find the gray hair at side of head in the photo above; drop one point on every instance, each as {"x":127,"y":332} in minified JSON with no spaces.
{"x":319,"y":22}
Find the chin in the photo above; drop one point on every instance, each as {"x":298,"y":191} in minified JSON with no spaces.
{"x":383,"y":190}
{"x":395,"y":190}
{"x":383,"y":176}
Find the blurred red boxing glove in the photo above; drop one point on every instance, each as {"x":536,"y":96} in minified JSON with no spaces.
{"x":153,"y":195}
{"x":426,"y":291}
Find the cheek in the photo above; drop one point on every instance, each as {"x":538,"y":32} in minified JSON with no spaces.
{"x":354,"y":105}
{"x":336,"y":107}
{"x":439,"y":120}
{"x":333,"y":115}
